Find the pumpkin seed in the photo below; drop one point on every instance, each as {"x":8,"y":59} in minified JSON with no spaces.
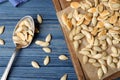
{"x":29,"y":39}
{"x":91,"y":60}
{"x":2,"y":29}
{"x":70,"y":15}
{"x":113,"y":19}
{"x":68,"y":0}
{"x":21,"y":36}
{"x":115,"y":6}
{"x":30,"y":32}
{"x":105,"y":0}
{"x":91,"y":40}
{"x":96,"y":48}
{"x":21,"y":24}
{"x":71,"y":36}
{"x":97,"y":56}
{"x":112,"y":65}
{"x":46,"y":60}
{"x":74,"y":5}
{"x":19,"y":29}
{"x":2,"y":42}
{"x":81,"y":5}
{"x":16,"y":38}
{"x":85,"y":59}
{"x":115,"y":60}
{"x":63,"y":57}
{"x":109,"y":41}
{"x":48,"y":38}
{"x":108,"y":25}
{"x":47,"y":50}
{"x":27,"y":23}
{"x":84,"y":27}
{"x":69,"y":25}
{"x":114,"y":55}
{"x":87,"y":34}
{"x":84,"y":52}
{"x":39,"y":18}
{"x":35,"y":64}
{"x":80,"y":21}
{"x":102,"y":62}
{"x":105,"y":58}
{"x":104,"y":68}
{"x":42,"y":43}
{"x":76,"y":45}
{"x":64,"y":77}
{"x":92,"y":10}
{"x":95,"y":14}
{"x":73,"y":22}
{"x":88,"y":2}
{"x":64,"y":19}
{"x":25,"y":34}
{"x":94,"y":20}
{"x":78,"y":36}
{"x":109,"y":60}
{"x":78,"y":29}
{"x":96,"y":2}
{"x":114,"y":49}
{"x":100,"y":73}
{"x":115,"y":42}
{"x":96,"y":42}
{"x":93,"y":52}
{"x":104,"y":13}
{"x":87,"y":6}
{"x":75,"y":16}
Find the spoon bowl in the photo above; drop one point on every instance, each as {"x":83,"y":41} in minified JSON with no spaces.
{"x":22,"y":23}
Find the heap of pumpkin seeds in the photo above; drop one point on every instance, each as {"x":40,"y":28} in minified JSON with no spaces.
{"x":99,"y":26}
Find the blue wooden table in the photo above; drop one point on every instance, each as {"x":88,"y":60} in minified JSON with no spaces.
{"x":22,"y":69}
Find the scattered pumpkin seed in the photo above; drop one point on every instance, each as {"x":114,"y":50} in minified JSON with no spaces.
{"x":2,"y":29}
{"x":63,"y":57}
{"x":48,"y":38}
{"x":39,"y":18}
{"x":46,"y":60}
{"x":35,"y":64}
{"x":47,"y":50}
{"x":64,"y":77}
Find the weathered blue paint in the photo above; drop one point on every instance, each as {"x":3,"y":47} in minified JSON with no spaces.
{"x":22,"y":69}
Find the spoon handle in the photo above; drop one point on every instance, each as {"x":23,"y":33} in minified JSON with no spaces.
{"x":5,"y":74}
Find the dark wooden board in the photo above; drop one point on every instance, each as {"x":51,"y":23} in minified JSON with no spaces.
{"x":61,"y":5}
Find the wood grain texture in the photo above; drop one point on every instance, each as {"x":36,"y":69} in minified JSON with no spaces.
{"x":22,"y":69}
{"x":57,"y":5}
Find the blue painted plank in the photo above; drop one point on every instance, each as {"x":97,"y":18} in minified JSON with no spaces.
{"x":33,"y":7}
{"x":44,"y":73}
{"x":25,"y":61}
